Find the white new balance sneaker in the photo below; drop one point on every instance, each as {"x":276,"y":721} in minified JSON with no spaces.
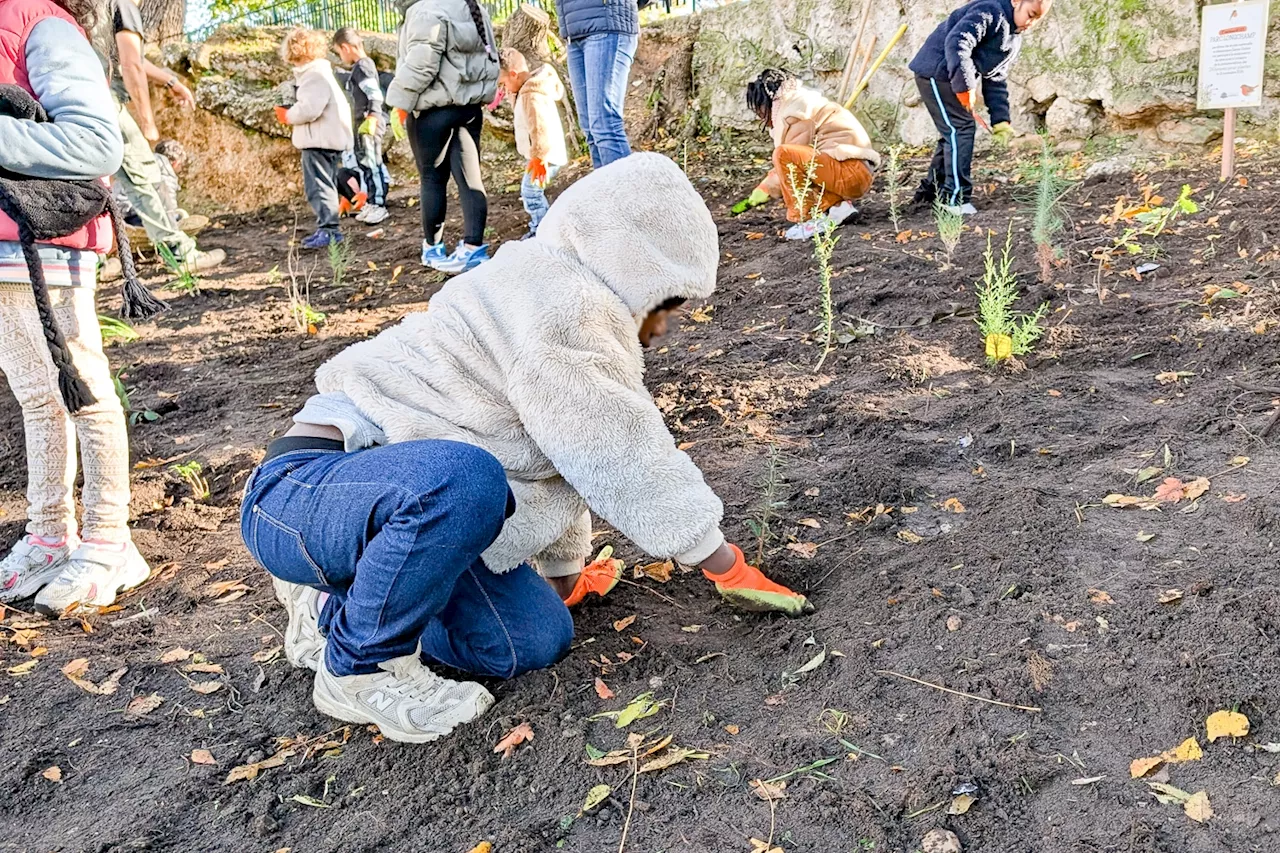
{"x":29,"y":567}
{"x":374,"y":214}
{"x":805,"y":230}
{"x":303,"y":645}
{"x":93,"y":576}
{"x":407,"y":701}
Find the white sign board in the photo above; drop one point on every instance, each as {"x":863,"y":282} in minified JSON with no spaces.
{"x":1233,"y":40}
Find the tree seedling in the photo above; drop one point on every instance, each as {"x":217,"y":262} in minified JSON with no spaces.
{"x":122,"y":393}
{"x":768,"y":505}
{"x":306,"y":318}
{"x":894,"y":186}
{"x":950,"y":222}
{"x":1005,"y":334}
{"x":185,"y":280}
{"x":824,"y":244}
{"x":339,"y":262}
{"x":1048,"y":220}
{"x":114,"y":331}
{"x":192,"y":473}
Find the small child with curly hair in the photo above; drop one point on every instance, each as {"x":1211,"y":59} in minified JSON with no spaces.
{"x":321,"y":122}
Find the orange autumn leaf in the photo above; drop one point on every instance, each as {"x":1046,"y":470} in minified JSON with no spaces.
{"x":522,"y":733}
{"x":1170,"y":491}
{"x":602,"y":690}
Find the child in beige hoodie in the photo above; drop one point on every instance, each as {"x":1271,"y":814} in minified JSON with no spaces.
{"x":539,"y":134}
{"x":321,"y":122}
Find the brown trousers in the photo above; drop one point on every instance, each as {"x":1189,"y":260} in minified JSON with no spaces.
{"x":833,"y":180}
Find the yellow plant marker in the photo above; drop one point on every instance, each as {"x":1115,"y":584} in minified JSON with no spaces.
{"x":999,"y":347}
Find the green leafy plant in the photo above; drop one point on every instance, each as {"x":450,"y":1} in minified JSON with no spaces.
{"x":1048,"y":221}
{"x":116,"y":331}
{"x":766,"y":509}
{"x":185,"y":279}
{"x":824,"y":244}
{"x":339,"y":262}
{"x":135,"y":416}
{"x":895,"y":185}
{"x":1157,"y":219}
{"x":950,"y":223}
{"x":1005,"y":333}
{"x":192,"y":473}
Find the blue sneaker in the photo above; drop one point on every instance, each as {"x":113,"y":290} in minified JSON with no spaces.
{"x":432,"y":255}
{"x":463,"y":259}
{"x":321,"y":239}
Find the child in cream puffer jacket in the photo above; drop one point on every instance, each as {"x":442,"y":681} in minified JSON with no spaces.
{"x":322,"y":129}
{"x":448,"y":456}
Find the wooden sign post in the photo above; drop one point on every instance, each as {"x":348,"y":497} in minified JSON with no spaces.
{"x":1233,"y":39}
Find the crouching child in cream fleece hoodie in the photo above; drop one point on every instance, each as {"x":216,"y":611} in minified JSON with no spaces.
{"x":451,"y":459}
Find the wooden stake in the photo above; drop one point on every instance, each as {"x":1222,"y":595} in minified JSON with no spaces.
{"x":1228,"y":143}
{"x":1029,"y":708}
{"x":847,"y":73}
{"x":872,"y":70}
{"x":866,"y":60}
{"x":855,"y":49}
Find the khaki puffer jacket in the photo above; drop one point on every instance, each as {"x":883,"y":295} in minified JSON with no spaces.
{"x":442,"y":60}
{"x":805,"y":117}
{"x":539,"y":133}
{"x":321,"y":118}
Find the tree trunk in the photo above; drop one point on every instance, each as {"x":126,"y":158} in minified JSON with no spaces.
{"x":165,"y":21}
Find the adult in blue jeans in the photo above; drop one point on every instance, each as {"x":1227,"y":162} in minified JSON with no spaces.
{"x":602,"y":36}
{"x":444,"y":460}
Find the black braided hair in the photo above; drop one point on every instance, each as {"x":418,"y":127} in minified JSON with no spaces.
{"x":762,"y":90}
{"x":136,"y":302}
{"x":477,"y":15}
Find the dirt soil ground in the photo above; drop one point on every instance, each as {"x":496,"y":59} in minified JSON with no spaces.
{"x":946,"y":518}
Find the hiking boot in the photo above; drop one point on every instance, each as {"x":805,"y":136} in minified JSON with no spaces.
{"x":30,"y":566}
{"x":432,"y":255}
{"x":374,"y":214}
{"x":321,"y":239}
{"x":94,"y":574}
{"x":303,"y":644}
{"x":407,"y":701}
{"x":199,"y":261}
{"x":463,"y":259}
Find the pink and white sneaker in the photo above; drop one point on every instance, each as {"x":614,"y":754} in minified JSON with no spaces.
{"x":33,"y":563}
{"x":93,"y":575}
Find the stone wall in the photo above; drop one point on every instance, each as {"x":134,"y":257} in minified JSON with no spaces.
{"x":1092,"y":66}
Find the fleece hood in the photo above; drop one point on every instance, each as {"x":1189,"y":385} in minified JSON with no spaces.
{"x":640,"y":227}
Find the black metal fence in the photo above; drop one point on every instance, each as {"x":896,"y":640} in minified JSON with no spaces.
{"x":380,"y":16}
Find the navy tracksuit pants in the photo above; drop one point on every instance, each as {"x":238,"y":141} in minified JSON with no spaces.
{"x":951,"y":169}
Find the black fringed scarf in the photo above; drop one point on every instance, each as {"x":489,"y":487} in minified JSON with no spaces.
{"x":45,"y":209}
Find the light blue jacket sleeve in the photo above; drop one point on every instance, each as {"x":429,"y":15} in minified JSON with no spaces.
{"x":82,"y":139}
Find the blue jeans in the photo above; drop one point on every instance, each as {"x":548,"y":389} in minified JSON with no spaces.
{"x":598,"y":69}
{"x":394,"y":534}
{"x":534,"y":198}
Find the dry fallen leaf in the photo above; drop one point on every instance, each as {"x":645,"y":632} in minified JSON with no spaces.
{"x":140,"y":706}
{"x":768,"y":790}
{"x":250,"y":771}
{"x":202,"y":756}
{"x":53,"y":774}
{"x":1100,"y":597}
{"x":903,"y":236}
{"x":1170,"y":491}
{"x":211,"y":668}
{"x":482,"y":847}
{"x":1188,"y":750}
{"x":1226,"y":724}
{"x":732,"y":729}
{"x":804,"y":549}
{"x":953,"y":505}
{"x":522,"y":733}
{"x":910,"y":537}
{"x":624,"y":623}
{"x":175,"y":655}
{"x":961,"y":804}
{"x":810,"y":522}
{"x":267,"y":655}
{"x":660,"y":572}
{"x":1196,"y":488}
{"x":602,"y":690}
{"x":755,"y":235}
{"x":1169,"y":596}
{"x":1140,"y":767}
{"x":206,"y":687}
{"x":1197,"y":808}
{"x":77,"y":668}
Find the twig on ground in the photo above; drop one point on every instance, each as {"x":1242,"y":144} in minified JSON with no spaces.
{"x":1029,"y":708}
{"x":635,"y":779}
{"x":927,"y":809}
{"x":670,"y":601}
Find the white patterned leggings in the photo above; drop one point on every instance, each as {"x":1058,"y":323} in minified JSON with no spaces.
{"x":50,"y":432}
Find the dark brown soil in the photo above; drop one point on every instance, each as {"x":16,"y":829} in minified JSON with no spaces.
{"x":1052,"y":596}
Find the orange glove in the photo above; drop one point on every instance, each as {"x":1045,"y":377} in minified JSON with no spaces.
{"x":537,"y":172}
{"x":966,"y":100}
{"x":599,"y":577}
{"x":745,"y":587}
{"x":282,"y":115}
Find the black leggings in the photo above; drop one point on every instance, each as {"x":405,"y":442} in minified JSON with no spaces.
{"x":447,"y":140}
